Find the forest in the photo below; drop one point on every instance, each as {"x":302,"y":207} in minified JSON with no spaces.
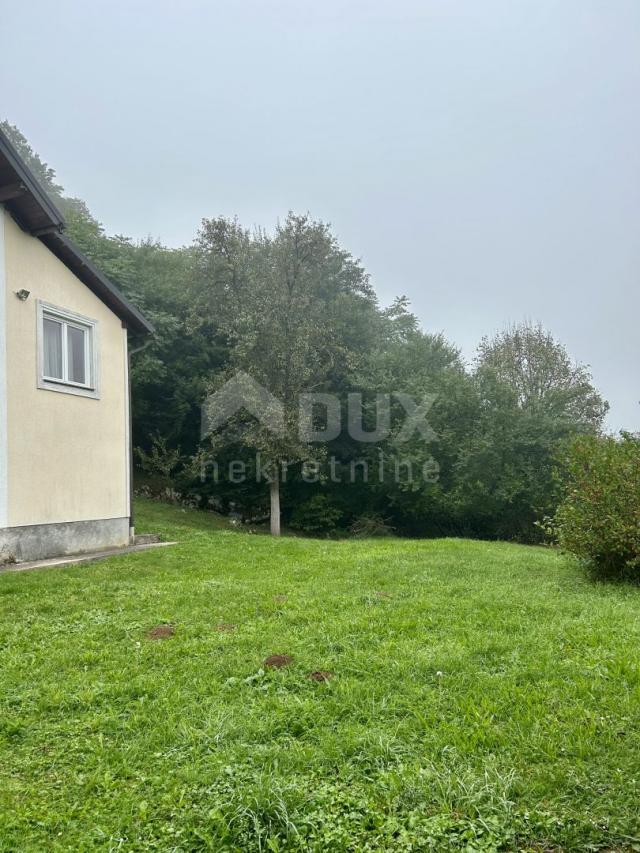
{"x":294,"y":309}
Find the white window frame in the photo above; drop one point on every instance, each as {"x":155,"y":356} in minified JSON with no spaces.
{"x":69,"y":318}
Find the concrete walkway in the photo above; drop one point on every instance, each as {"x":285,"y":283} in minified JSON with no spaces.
{"x":73,"y":559}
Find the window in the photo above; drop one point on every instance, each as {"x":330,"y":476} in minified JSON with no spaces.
{"x":67,"y":351}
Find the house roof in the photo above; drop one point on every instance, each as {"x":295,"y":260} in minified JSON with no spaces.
{"x":36,"y":214}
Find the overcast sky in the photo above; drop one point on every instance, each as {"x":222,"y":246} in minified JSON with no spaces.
{"x":480,"y":156}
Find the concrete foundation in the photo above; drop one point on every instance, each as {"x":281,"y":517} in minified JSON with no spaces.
{"x":41,"y":541}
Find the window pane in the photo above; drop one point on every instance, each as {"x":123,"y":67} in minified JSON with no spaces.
{"x":76,"y":355}
{"x":52,"y":349}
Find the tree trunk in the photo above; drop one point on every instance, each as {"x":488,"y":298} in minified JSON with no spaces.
{"x":274,"y":489}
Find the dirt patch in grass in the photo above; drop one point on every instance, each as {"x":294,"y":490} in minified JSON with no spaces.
{"x":161,"y":632}
{"x":225,"y":627}
{"x":280,"y":599}
{"x":277,"y":661}
{"x":320,"y":675}
{"x":384,"y":595}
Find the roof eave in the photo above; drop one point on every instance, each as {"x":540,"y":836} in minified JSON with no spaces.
{"x":25,"y":176}
{"x":36,"y":214}
{"x":90,"y":275}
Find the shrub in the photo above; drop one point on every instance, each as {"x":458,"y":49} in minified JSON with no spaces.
{"x":368,"y":526}
{"x":162,"y":460}
{"x":599,"y":518}
{"x":317,"y":515}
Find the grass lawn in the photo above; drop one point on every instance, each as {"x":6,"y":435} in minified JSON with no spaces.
{"x":484,"y":696}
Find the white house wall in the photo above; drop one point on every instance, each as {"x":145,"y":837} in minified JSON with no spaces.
{"x":3,"y":382}
{"x":66,"y":455}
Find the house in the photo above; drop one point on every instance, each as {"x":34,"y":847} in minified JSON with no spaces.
{"x":65,"y":438}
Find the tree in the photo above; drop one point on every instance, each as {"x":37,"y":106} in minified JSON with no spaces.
{"x":531,"y":399}
{"x":283,"y":303}
{"x":412,"y":477}
{"x":43,"y":173}
{"x":541,"y":375}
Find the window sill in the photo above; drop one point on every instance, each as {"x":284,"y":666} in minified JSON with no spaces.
{"x":64,"y":388}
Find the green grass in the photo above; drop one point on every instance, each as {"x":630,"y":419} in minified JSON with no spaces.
{"x":487,"y":699}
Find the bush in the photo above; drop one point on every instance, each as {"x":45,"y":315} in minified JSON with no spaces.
{"x":317,"y":515}
{"x":599,"y":518}
{"x":370,"y":526}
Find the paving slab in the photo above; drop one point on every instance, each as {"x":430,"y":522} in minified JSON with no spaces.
{"x":74,"y":559}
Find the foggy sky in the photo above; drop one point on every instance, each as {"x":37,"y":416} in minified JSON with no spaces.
{"x":481,"y":157}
